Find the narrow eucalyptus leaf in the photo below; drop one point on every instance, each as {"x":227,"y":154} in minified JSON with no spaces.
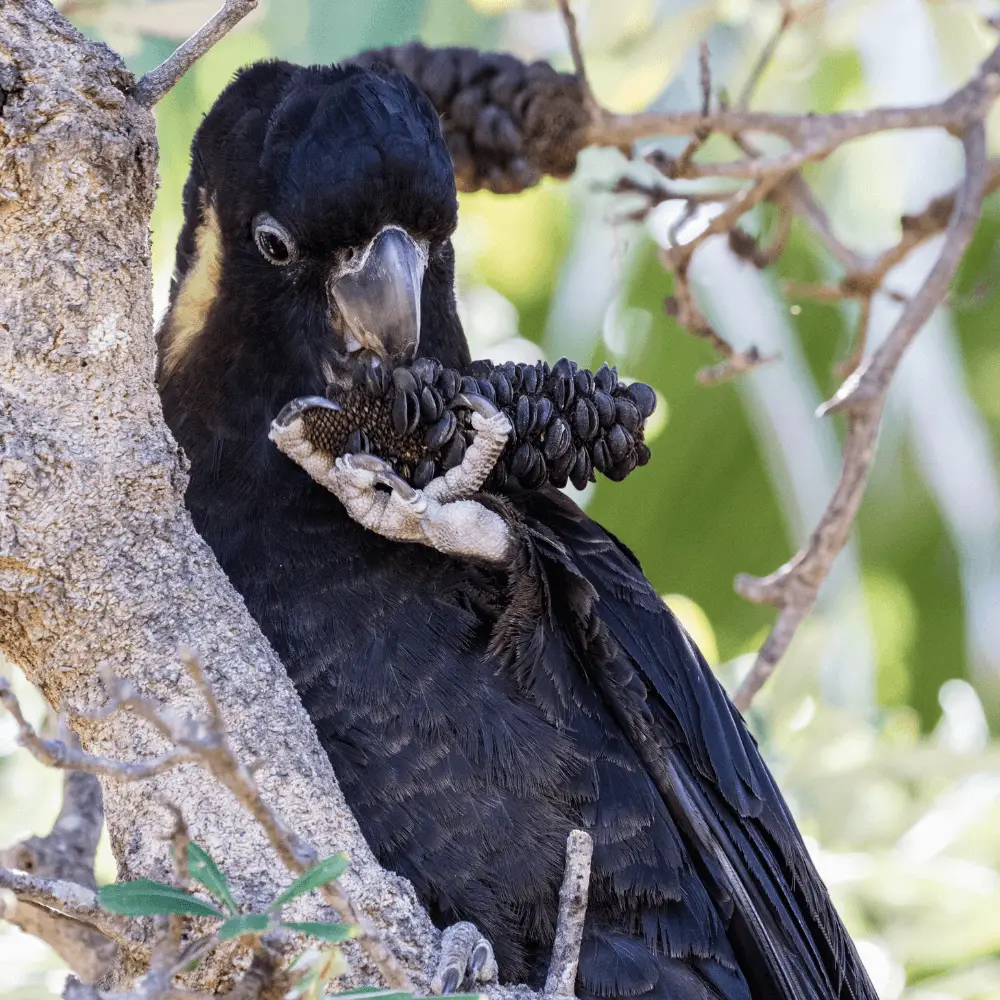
{"x":143,"y":897}
{"x":322,"y":872}
{"x":204,"y":870}
{"x":245,"y":923}
{"x":334,"y":933}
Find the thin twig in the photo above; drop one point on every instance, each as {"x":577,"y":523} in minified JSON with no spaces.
{"x":793,"y":588}
{"x":207,"y":744}
{"x":765,"y":57}
{"x":804,"y":202}
{"x":561,"y":978}
{"x":157,"y":82}
{"x":576,"y":51}
{"x":55,"y":753}
{"x":812,"y":137}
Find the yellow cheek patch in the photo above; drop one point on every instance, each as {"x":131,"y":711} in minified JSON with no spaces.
{"x":198,"y":290}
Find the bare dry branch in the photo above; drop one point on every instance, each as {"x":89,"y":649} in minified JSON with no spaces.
{"x":157,"y":82}
{"x":88,"y":952}
{"x":561,"y":978}
{"x":576,"y":51}
{"x":70,"y":900}
{"x":811,"y":137}
{"x":765,"y":57}
{"x":55,"y":753}
{"x":208,"y":745}
{"x":793,"y":588}
{"x":66,"y":854}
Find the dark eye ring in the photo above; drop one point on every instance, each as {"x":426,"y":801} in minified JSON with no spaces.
{"x":274,"y":242}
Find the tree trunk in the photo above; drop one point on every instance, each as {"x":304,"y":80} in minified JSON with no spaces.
{"x":100,"y":566}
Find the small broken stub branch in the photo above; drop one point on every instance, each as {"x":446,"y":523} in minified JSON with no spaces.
{"x":561,"y":979}
{"x":157,"y":82}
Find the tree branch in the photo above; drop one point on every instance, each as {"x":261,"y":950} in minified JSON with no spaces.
{"x":70,"y":900}
{"x":157,"y":82}
{"x":794,"y":587}
{"x":561,"y":978}
{"x":65,"y":855}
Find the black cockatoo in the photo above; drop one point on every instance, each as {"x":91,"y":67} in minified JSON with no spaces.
{"x":513,"y":677}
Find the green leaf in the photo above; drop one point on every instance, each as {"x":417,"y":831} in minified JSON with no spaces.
{"x":374,"y":993}
{"x":322,"y":872}
{"x":245,"y":923}
{"x":334,"y":933}
{"x":205,"y":871}
{"x":146,"y":898}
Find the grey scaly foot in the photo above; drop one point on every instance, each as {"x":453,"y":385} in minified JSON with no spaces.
{"x":440,"y":515}
{"x":466,"y":960}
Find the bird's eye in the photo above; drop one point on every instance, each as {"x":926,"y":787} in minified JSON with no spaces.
{"x":273,"y":241}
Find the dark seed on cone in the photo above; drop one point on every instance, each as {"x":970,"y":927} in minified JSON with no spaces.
{"x":403,"y":380}
{"x":431,"y":404}
{"x":454,"y":453}
{"x":486,"y":389}
{"x":424,"y":472}
{"x":501,"y":386}
{"x":619,"y":471}
{"x":560,"y":468}
{"x":480,"y":369}
{"x":440,"y":433}
{"x":561,"y":390}
{"x":642,"y":453}
{"x":585,"y":422}
{"x":521,"y":463}
{"x":357,"y":442}
{"x":619,"y":443}
{"x":529,"y":379}
{"x":606,"y":378}
{"x":580,"y":475}
{"x":469,"y":384}
{"x":448,"y":384}
{"x":605,"y":408}
{"x":426,"y":370}
{"x":584,"y":383}
{"x":522,"y":417}
{"x":600,"y":457}
{"x":537,"y":474}
{"x":558,"y":438}
{"x":643,"y":397}
{"x":543,"y":414}
{"x":563,"y":368}
{"x":627,"y":414}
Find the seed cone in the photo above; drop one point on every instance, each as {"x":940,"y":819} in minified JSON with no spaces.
{"x":567,"y":422}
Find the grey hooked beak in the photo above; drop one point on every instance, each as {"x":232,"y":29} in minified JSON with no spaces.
{"x":379,"y":297}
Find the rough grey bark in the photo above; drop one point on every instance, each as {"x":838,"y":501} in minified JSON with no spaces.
{"x":100,"y":567}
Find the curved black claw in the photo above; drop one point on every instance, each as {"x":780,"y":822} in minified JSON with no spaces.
{"x":384,"y":473}
{"x":290,"y":411}
{"x":473,"y":401}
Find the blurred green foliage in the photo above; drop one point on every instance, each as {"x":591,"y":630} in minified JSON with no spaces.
{"x":900,"y":795}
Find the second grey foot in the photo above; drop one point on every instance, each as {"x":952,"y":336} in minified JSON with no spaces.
{"x":466,"y":960}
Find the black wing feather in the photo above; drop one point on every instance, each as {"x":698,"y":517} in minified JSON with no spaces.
{"x":786,"y":935}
